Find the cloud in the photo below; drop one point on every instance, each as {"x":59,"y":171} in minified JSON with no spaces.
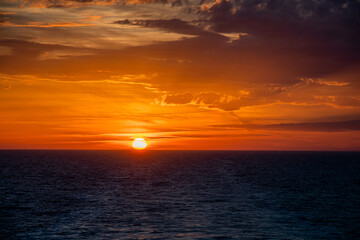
{"x":63,"y":54}
{"x":266,"y":17}
{"x":7,"y":13}
{"x":208,"y":100}
{"x":32,"y":51}
{"x":174,"y":25}
{"x":312,"y":81}
{"x":325,"y":28}
{"x":352,"y":125}
{"x":82,"y":3}
{"x":307,"y":92}
{"x":45,"y":25}
{"x":127,"y":79}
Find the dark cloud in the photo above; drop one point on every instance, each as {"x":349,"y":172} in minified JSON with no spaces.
{"x":277,"y":18}
{"x":283,"y":42}
{"x":352,"y":125}
{"x":32,"y":50}
{"x":170,"y":25}
{"x":322,"y":28}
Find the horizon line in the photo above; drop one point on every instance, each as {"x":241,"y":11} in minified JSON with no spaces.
{"x":147,"y":150}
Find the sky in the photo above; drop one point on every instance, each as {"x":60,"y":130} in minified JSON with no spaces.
{"x":183,"y":74}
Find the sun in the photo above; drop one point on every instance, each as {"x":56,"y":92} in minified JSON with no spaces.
{"x":139,"y":143}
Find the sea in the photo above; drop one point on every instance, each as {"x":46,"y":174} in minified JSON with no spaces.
{"x":66,"y":194}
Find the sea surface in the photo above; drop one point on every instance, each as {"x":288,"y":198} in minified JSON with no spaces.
{"x":179,"y":195}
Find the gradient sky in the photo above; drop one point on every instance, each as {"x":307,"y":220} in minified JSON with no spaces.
{"x":224,"y":74}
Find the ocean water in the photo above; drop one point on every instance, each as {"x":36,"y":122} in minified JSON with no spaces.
{"x":179,"y":195}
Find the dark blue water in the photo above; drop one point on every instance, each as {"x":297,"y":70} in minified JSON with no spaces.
{"x":179,"y":195}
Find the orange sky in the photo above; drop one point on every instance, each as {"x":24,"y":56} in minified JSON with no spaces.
{"x":181,"y":74}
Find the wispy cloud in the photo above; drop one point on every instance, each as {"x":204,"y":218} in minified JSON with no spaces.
{"x":46,"y":25}
{"x":82,"y":3}
{"x":353,"y":125}
{"x":208,"y":100}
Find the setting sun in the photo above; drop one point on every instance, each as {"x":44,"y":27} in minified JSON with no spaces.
{"x":139,"y":144}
